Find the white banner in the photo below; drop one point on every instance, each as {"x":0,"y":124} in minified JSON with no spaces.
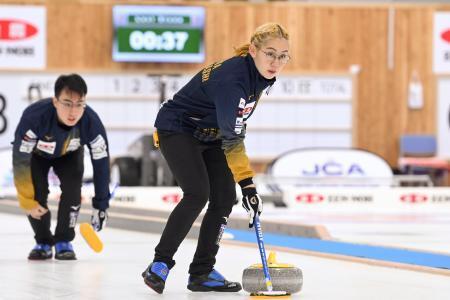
{"x":23,"y":38}
{"x":441,"y":43}
{"x":313,"y":87}
{"x":299,"y":87}
{"x":155,"y":198}
{"x":442,"y":117}
{"x":136,"y":103}
{"x":365,"y":199}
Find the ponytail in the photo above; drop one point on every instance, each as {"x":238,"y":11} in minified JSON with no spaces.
{"x":242,"y":50}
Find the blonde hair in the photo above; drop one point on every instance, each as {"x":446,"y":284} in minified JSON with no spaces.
{"x":261,"y":35}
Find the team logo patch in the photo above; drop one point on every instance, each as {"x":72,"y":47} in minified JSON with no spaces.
{"x":47,"y":147}
{"x":98,"y":148}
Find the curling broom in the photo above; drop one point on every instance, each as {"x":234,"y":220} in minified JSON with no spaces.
{"x":89,"y":234}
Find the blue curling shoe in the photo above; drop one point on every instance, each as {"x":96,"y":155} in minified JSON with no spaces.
{"x":212,"y":282}
{"x":155,"y":276}
{"x":64,"y":251}
{"x":41,"y":252}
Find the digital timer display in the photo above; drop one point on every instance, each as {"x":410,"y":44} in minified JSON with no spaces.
{"x":158,"y":33}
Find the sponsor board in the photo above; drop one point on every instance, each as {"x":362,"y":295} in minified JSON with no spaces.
{"x":442,"y":116}
{"x":22,"y":37}
{"x":365,"y":199}
{"x":324,"y":200}
{"x":314,"y":199}
{"x":156,"y":198}
{"x":441,"y":43}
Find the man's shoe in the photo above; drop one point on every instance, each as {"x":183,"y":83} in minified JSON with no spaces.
{"x":155,"y":276}
{"x":212,"y":282}
{"x":64,"y":251}
{"x":41,"y":252}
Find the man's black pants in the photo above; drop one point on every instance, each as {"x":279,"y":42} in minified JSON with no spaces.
{"x":69,"y":169}
{"x":202,"y":172}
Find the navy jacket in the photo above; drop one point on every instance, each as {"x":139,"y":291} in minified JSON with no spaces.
{"x":215,"y":104}
{"x":40,"y":133}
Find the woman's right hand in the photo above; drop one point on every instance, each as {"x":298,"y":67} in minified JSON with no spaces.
{"x":37,"y":212}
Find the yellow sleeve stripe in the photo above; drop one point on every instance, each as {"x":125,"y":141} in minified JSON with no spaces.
{"x":25,"y":190}
{"x":238,"y":162}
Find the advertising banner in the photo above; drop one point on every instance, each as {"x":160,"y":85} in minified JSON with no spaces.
{"x":441,"y":43}
{"x":22,"y":37}
{"x":369,"y":200}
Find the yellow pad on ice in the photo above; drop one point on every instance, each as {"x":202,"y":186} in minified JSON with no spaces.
{"x":91,"y":237}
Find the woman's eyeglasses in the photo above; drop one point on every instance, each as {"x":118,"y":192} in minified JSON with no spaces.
{"x":272,"y":56}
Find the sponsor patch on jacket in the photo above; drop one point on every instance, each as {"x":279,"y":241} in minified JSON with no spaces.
{"x":28,"y":142}
{"x":239,"y":125}
{"x":27,"y":146}
{"x":98,"y":148}
{"x":47,"y":147}
{"x":248,"y":109}
{"x":30,"y":135}
{"x":74,"y":144}
{"x":242,"y":103}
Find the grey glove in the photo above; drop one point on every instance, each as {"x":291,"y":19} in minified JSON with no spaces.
{"x":98,"y":219}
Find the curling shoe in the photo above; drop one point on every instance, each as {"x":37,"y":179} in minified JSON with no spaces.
{"x":155,"y":276}
{"x":64,"y":251}
{"x":212,"y":282}
{"x":41,"y":252}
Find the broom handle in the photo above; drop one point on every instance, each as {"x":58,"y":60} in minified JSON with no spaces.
{"x":113,"y":192}
{"x":262,"y":252}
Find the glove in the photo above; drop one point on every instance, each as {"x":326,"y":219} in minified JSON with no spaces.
{"x":98,"y":219}
{"x":252,"y":204}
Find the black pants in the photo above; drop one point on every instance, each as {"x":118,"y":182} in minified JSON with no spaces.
{"x":69,"y":169}
{"x":202,"y":172}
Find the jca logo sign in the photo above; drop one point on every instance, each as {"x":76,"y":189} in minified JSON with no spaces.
{"x":333,"y":168}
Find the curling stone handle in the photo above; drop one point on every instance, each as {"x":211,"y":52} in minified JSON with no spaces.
{"x":272,"y":259}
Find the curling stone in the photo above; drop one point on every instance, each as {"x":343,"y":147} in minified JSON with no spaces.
{"x":285,"y":277}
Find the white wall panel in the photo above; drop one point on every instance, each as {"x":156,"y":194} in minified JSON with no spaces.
{"x":299,"y":112}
